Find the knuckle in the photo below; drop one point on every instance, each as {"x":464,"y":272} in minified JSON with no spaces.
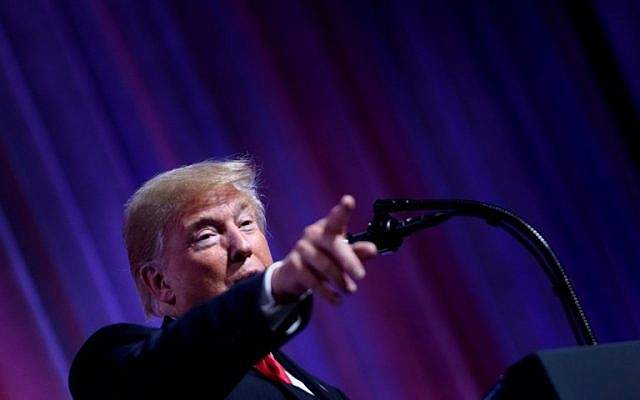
{"x":313,"y":230}
{"x":296,"y":261}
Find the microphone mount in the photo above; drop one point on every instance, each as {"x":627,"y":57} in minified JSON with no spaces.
{"x":388,"y":233}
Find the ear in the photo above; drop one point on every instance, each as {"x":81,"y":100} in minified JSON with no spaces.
{"x":157,"y":285}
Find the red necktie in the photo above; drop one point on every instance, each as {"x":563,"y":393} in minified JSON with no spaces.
{"x":272,"y":369}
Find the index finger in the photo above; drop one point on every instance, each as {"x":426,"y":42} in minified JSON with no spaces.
{"x":338,"y":218}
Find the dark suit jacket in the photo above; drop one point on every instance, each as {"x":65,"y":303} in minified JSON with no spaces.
{"x":206,"y":354}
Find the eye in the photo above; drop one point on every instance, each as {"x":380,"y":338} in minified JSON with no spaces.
{"x":206,"y":237}
{"x":246,"y":224}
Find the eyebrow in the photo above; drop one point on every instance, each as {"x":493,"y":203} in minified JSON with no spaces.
{"x":206,"y":220}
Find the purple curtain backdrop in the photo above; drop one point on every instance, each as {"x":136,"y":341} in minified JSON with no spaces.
{"x":532,"y":105}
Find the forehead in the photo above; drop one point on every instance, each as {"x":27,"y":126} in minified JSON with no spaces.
{"x":217,"y":205}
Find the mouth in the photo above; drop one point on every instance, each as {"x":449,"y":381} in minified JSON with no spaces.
{"x":244,"y":276}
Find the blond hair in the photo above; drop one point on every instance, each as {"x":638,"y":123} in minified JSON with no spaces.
{"x":160,"y":200}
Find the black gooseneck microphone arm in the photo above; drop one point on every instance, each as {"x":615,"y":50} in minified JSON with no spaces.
{"x":388,"y":232}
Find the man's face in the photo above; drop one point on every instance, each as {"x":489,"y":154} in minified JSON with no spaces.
{"x":214,"y":245}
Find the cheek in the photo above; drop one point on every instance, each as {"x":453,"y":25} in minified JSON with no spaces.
{"x":261,"y":250}
{"x":209,"y":266}
{"x":202,"y":275}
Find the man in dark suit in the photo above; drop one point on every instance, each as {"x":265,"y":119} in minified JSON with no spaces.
{"x":200,"y":259}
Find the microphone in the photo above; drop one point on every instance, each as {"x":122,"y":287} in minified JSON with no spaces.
{"x":388,"y":232}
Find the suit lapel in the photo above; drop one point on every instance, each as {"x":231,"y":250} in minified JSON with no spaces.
{"x":320,"y":389}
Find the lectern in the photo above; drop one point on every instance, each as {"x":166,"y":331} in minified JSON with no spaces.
{"x":607,"y":371}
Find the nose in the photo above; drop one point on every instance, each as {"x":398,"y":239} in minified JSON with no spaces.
{"x":238,"y":246}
